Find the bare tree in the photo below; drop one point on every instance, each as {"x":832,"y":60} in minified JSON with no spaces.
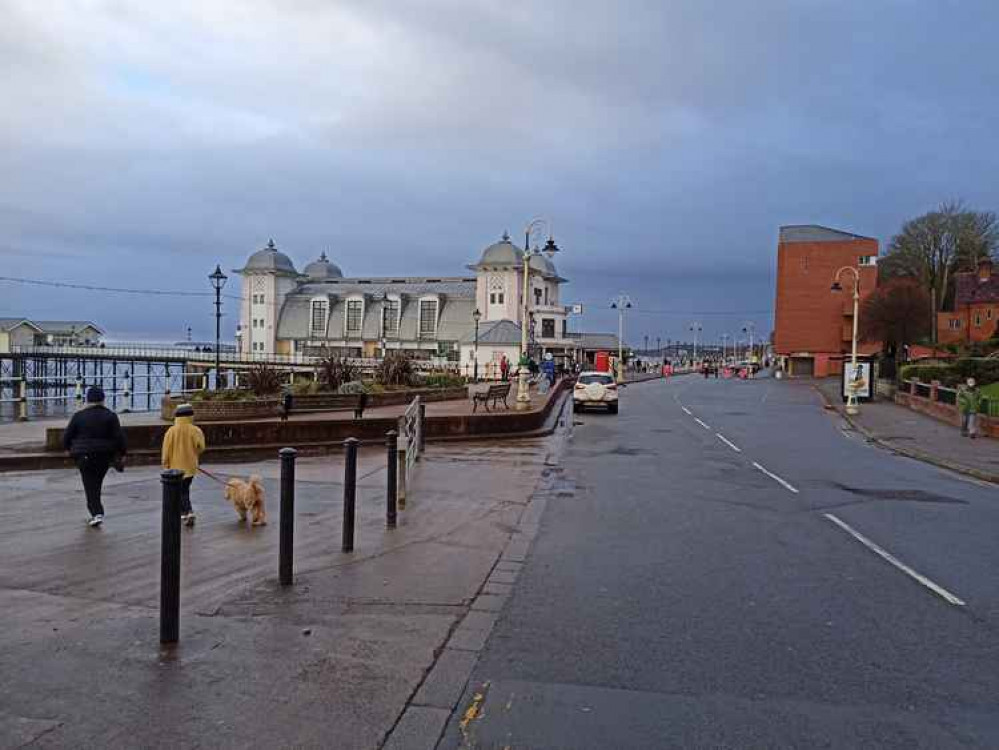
{"x":897,"y":313}
{"x":933,"y":247}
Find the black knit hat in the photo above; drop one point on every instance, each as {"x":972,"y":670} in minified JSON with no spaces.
{"x":184,"y":410}
{"x":95,"y":395}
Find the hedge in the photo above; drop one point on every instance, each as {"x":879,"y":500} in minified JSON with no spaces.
{"x":984,"y":371}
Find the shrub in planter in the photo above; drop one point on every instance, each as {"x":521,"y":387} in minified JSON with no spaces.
{"x":305,"y":387}
{"x":335,"y":371}
{"x":263,"y":380}
{"x":351,"y":388}
{"x":443,"y":380}
{"x":395,"y":369}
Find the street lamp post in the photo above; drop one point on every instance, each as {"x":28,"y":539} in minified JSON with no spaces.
{"x":476,"y":316}
{"x":749,"y":329}
{"x":218,"y":280}
{"x":621,"y":303}
{"x":523,"y":387}
{"x":695,"y":328}
{"x":852,"y":406}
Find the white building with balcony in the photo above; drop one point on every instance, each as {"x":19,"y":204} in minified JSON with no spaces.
{"x":320,"y":311}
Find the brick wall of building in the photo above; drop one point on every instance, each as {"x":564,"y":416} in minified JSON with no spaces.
{"x":811,"y":321}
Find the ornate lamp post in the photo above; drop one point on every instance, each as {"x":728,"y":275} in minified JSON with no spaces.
{"x":749,"y":329}
{"x":476,"y":316}
{"x":852,"y":407}
{"x":621,"y":303}
{"x":523,"y":387}
{"x":218,"y":280}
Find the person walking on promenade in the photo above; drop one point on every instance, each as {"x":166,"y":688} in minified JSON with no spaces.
{"x":504,"y":369}
{"x":183,"y":445}
{"x":96,"y":442}
{"x":969,"y":401}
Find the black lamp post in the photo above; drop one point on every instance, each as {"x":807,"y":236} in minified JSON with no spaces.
{"x":218,"y":280}
{"x":476,"y":316}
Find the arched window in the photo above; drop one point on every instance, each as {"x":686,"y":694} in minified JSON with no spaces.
{"x":319,"y":312}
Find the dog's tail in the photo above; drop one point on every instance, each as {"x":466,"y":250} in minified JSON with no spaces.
{"x":258,"y":487}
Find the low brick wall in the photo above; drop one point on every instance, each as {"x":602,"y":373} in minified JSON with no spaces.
{"x":263,"y":408}
{"x":231,"y":438}
{"x":944,"y":412}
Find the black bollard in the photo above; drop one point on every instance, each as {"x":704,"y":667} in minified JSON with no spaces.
{"x":391,"y":468}
{"x":170,"y":557}
{"x":423,"y":430}
{"x":349,"y":492}
{"x":286,"y":537}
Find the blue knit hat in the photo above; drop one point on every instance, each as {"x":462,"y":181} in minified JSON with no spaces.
{"x":95,"y":395}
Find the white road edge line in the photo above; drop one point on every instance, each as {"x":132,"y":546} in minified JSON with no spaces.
{"x":687,"y":411}
{"x":776,"y":478}
{"x":728,"y":442}
{"x":702,"y":424}
{"x":886,"y":555}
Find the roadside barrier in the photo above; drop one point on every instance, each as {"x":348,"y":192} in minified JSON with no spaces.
{"x":349,"y":492}
{"x":286,"y":539}
{"x":170,"y":557}
{"x":391,"y":469}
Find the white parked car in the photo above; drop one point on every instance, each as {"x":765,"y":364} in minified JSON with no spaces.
{"x":595,"y":389}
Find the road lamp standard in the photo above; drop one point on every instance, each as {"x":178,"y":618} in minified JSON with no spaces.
{"x":523,"y":386}
{"x":695,"y":328}
{"x":749,"y":329}
{"x":218,"y":280}
{"x":476,"y":316}
{"x":852,"y":407}
{"x":621,"y":303}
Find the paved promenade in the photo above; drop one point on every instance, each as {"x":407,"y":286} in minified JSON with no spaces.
{"x":919,"y":436}
{"x":329,"y":662}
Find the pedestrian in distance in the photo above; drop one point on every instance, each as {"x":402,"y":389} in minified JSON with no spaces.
{"x":183,"y":445}
{"x":96,"y":442}
{"x":504,"y":369}
{"x":969,"y":401}
{"x":287,"y":401}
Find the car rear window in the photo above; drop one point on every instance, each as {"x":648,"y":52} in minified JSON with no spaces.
{"x":602,"y":379}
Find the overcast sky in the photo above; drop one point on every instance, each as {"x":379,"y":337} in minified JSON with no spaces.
{"x":142,"y":142}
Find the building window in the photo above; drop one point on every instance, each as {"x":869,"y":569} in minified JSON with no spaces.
{"x":954,"y":324}
{"x":447,"y":350}
{"x":428,"y":318}
{"x":978,"y":320}
{"x":492,"y":298}
{"x":355,"y":314}
{"x":317,"y":321}
{"x":546,"y":295}
{"x":390,"y":317}
{"x":565,"y":328}
{"x":547,"y":328}
{"x":866,"y":260}
{"x":537,"y":297}
{"x":988,"y":314}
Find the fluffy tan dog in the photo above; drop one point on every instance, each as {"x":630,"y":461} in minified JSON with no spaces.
{"x":247,"y":497}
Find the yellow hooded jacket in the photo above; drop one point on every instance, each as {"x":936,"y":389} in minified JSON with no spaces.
{"x":182,"y":445}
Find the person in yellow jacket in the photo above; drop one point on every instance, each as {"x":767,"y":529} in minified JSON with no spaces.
{"x":183,"y":445}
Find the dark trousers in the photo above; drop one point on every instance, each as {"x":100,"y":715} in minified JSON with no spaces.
{"x":93,"y":468}
{"x":185,"y":496}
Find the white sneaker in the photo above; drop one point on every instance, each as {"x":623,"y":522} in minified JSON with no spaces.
{"x":188,"y":519}
{"x":96,"y":520}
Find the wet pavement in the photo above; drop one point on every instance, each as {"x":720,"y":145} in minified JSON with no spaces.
{"x":329,"y":662}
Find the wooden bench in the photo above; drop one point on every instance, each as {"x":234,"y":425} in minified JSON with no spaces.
{"x":332,"y":402}
{"x":494,"y":393}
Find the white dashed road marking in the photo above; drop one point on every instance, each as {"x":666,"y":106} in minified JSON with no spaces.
{"x":885,"y":555}
{"x":687,"y":411}
{"x":702,"y":424}
{"x":728,"y":442}
{"x":776,"y":478}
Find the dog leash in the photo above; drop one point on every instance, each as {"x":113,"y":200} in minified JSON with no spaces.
{"x":211,"y":476}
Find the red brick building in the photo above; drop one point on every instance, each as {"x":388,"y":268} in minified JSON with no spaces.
{"x":976,"y":307}
{"x":813,"y":325}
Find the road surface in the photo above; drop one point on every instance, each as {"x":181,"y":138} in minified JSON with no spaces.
{"x":734,"y":568}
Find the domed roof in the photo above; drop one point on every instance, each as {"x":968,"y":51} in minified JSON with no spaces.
{"x":323,"y":269}
{"x":541,"y":264}
{"x":502,"y":253}
{"x":270,"y":259}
